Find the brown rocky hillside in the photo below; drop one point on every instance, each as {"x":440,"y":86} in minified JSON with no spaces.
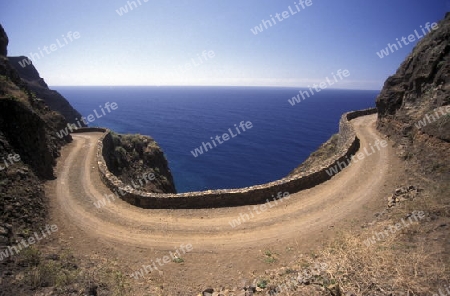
{"x":30,"y":146}
{"x":30,"y":118}
{"x":414,"y":104}
{"x":31,"y":78}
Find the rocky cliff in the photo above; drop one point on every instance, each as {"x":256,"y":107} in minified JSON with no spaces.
{"x":3,"y":42}
{"x":30,"y":76}
{"x":27,"y":123}
{"x":29,"y":146}
{"x":130,"y":157}
{"x":28,"y":150}
{"x":31,"y":115}
{"x":414,"y":104}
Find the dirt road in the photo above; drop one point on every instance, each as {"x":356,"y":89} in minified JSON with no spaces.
{"x":121,"y":227}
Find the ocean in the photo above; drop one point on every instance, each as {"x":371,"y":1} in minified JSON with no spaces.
{"x":182,"y":119}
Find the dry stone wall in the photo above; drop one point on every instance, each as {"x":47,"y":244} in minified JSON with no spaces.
{"x":89,"y":130}
{"x":348,"y":145}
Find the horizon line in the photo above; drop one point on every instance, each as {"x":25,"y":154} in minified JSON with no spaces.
{"x":261,"y":86}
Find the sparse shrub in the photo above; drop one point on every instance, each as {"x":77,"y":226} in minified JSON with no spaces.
{"x":178,"y":260}
{"x":49,"y":273}
{"x":120,"y":284}
{"x":262,"y":284}
{"x":30,"y":256}
{"x":269,"y":257}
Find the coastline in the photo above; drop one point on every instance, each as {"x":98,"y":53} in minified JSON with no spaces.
{"x":348,"y":144}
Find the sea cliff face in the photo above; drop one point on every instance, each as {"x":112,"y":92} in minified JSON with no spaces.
{"x":28,"y":151}
{"x":30,"y":120}
{"x":414,"y":104}
{"x":31,"y":117}
{"x":27,"y":123}
{"x":413,"y":107}
{"x":31,"y":78}
{"x":138,"y":161}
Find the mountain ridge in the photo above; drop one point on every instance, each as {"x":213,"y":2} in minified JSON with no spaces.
{"x":31,"y":77}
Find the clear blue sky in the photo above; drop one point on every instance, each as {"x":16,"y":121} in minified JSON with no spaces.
{"x":148,"y":44}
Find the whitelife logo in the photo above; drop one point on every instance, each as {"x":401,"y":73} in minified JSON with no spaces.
{"x":244,"y":126}
{"x":411,"y":38}
{"x":146,"y":177}
{"x":266,"y":24}
{"x":130,"y":6}
{"x":182,"y":69}
{"x":90,"y":118}
{"x":258,"y":209}
{"x":10,"y":160}
{"x":49,"y":49}
{"x":439,"y":112}
{"x":378,"y":236}
{"x":172,"y":257}
{"x":340,"y":165}
{"x":49,"y":229}
{"x":319,"y":87}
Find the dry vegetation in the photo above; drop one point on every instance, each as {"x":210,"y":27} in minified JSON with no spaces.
{"x":412,"y":261}
{"x":60,"y":273}
{"x":405,"y":262}
{"x":324,"y":152}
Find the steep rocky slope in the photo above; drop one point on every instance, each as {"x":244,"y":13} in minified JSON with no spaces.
{"x":414,"y":104}
{"x":29,"y":147}
{"x":36,"y":84}
{"x":132,"y":156}
{"x":414,"y":111}
{"x":28,"y":150}
{"x":27,"y":128}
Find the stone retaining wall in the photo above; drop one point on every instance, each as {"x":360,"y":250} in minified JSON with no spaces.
{"x":89,"y":129}
{"x":348,"y":145}
{"x":359,"y":113}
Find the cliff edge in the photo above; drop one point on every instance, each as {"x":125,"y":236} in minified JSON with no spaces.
{"x":31,"y":120}
{"x":139,"y":162}
{"x":28,"y":151}
{"x":31,"y":78}
{"x":414,"y":104}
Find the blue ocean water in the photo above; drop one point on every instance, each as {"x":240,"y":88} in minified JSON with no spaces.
{"x":180,"y":119}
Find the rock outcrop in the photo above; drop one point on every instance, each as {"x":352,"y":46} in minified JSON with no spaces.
{"x":3,"y":42}
{"x":28,"y":151}
{"x":139,"y":162}
{"x":31,"y":117}
{"x":414,"y":104}
{"x":36,"y":84}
